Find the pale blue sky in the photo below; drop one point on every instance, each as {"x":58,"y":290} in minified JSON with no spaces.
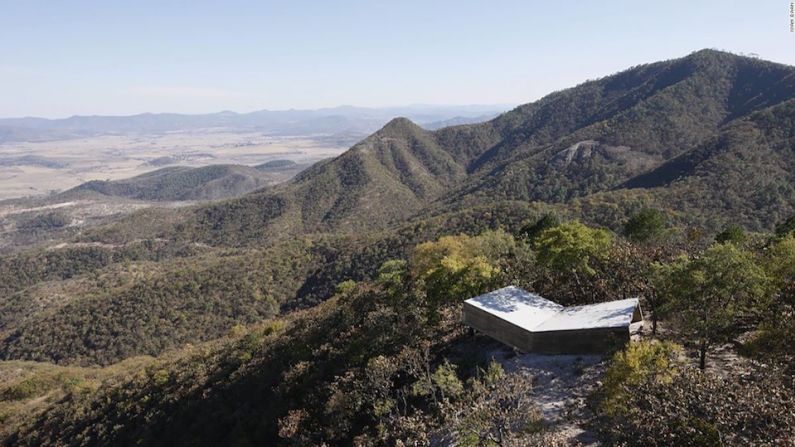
{"x":59,"y":58}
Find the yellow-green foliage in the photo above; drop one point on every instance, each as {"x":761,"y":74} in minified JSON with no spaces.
{"x":781,"y":262}
{"x":458,"y":267}
{"x":570,"y":246}
{"x":638,"y":363}
{"x":447,"y":381}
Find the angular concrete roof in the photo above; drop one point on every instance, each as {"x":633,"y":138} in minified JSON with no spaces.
{"x":536,"y":314}
{"x":517,"y":306}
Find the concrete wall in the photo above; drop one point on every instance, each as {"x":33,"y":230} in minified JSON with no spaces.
{"x":581,"y":341}
{"x":497,"y":328}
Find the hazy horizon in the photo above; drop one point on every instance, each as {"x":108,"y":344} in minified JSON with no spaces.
{"x":96,"y":58}
{"x":243,"y":112}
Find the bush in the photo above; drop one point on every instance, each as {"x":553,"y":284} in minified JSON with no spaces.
{"x":531,"y":231}
{"x":648,"y":224}
{"x":703,"y":409}
{"x":733,"y":233}
{"x":46,"y":221}
{"x":647,"y":361}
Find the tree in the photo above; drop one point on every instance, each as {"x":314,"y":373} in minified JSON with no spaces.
{"x":459,"y":267}
{"x":781,"y":265}
{"x":497,"y":410}
{"x":392,"y":276}
{"x":709,"y":294}
{"x":531,"y":231}
{"x":639,"y":363}
{"x":647,"y":225}
{"x":776,"y":339}
{"x":786,"y":227}
{"x":570,"y":247}
{"x":732,"y":233}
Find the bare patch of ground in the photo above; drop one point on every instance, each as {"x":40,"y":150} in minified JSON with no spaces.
{"x":561,"y":385}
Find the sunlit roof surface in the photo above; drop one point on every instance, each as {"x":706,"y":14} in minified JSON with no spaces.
{"x":536,"y":314}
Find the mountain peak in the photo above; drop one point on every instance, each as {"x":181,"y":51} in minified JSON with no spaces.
{"x":400,"y":122}
{"x":711,"y":55}
{"x":399,"y":127}
{"x":710,"y":52}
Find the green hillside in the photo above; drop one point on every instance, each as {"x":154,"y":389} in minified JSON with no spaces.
{"x":683,"y":135}
{"x":597,"y":137}
{"x":325,"y":309}
{"x":183,"y":183}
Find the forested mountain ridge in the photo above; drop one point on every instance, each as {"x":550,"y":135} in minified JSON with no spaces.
{"x":589,"y":139}
{"x":327,"y":309}
{"x":584,"y":151}
{"x":623,"y":125}
{"x":183,"y":183}
{"x":381,"y":180}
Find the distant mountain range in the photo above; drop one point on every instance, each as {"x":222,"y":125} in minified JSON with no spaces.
{"x":337,"y":120}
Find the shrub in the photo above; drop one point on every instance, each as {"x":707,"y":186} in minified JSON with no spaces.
{"x":648,"y":224}
{"x":733,"y":233}
{"x":702,"y":409}
{"x":531,"y":231}
{"x":647,"y":361}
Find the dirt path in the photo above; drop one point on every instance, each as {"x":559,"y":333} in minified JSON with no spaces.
{"x":561,"y":384}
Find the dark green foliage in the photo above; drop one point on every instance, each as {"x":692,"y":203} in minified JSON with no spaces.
{"x":365,"y":364}
{"x":531,"y":231}
{"x":294,"y":274}
{"x":706,"y":138}
{"x":45,"y":222}
{"x":276,"y":164}
{"x":710,"y":295}
{"x":786,"y":227}
{"x":148,"y":318}
{"x":238,"y":393}
{"x":646,"y":225}
{"x":181,"y":183}
{"x":734,"y":234}
{"x":775,"y":342}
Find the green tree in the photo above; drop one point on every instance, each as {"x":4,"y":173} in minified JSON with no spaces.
{"x":786,"y":227}
{"x":732,"y":233}
{"x":708,"y":294}
{"x":646,"y":225}
{"x":531,"y":231}
{"x":571,"y":247}
{"x":640,"y":362}
{"x":781,"y":265}
{"x":458,"y":267}
{"x":776,"y":339}
{"x":392,"y":276}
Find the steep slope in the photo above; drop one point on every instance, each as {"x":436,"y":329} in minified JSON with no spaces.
{"x":708,"y":137}
{"x":746,"y":172}
{"x":596,"y":136}
{"x":588,"y":139}
{"x":385,"y":178}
